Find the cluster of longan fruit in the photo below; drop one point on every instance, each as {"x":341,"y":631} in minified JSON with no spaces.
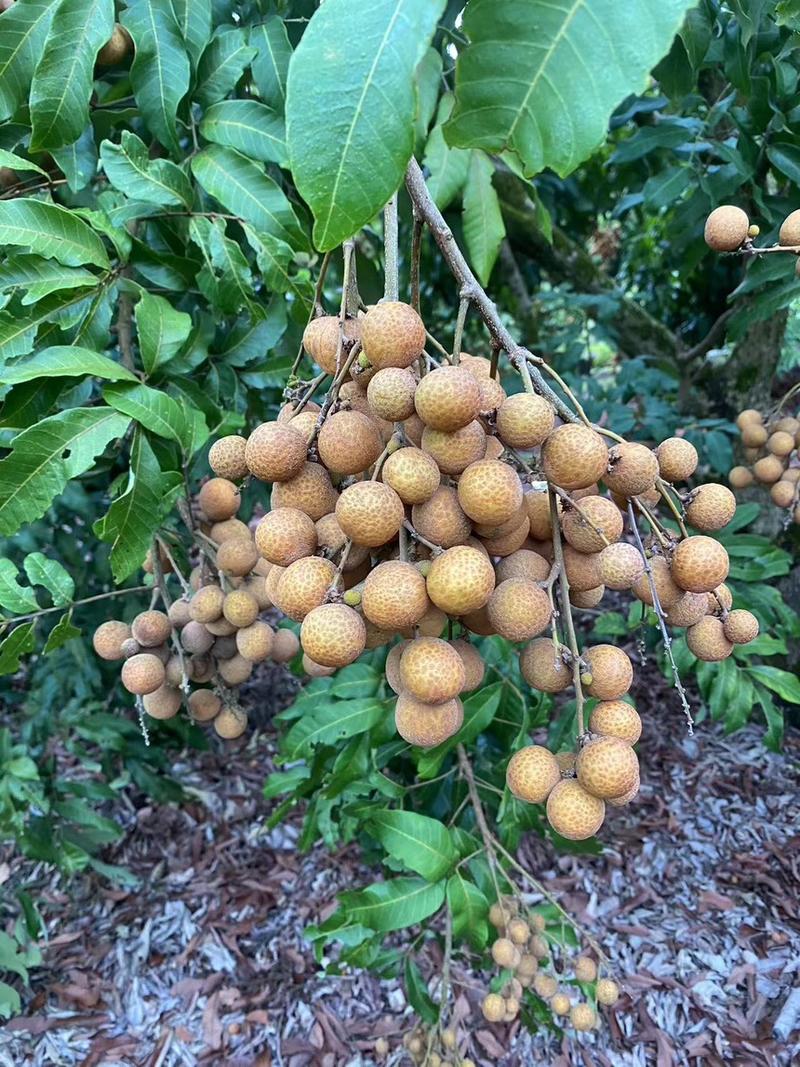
{"x":771,"y":449}
{"x":728,"y":229}
{"x":212,"y":636}
{"x":437,"y":1047}
{"x":525,"y":956}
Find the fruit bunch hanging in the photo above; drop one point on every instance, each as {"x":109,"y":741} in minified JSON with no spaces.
{"x":771,"y":445}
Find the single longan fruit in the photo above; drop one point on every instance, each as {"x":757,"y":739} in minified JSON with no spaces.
{"x":607,"y":767}
{"x":611,"y":671}
{"x":349,"y":442}
{"x":524,"y":563}
{"x":196,"y":638}
{"x":769,"y":469}
{"x":392,"y":667}
{"x":615,"y":718}
{"x":519,"y":932}
{"x":286,"y":534}
{"x":493,"y":394}
{"x":333,"y":635}
{"x":219,"y":499}
{"x":493,"y":1008}
{"x":512,"y":1009}
{"x":163,"y":703}
{"x":394,"y":596}
{"x":371,"y":513}
{"x":285,"y":646}
{"x":582,"y":525}
{"x":587,"y":598}
{"x":204,"y":704}
{"x":116,"y":47}
{"x":289,"y":410}
{"x":431,"y":670}
{"x":275,"y":452}
{"x":151,"y":628}
{"x":660,"y":576}
{"x":474,"y":667}
{"x":573,"y":812}
{"x":519,"y":609}
{"x":788,"y":424}
{"x":688,"y":610}
{"x":700,"y":564}
{"x":560,"y":1004}
{"x":741,"y":627}
{"x":710,"y":507}
{"x":441,"y":519}
{"x":574,"y":457}
{"x":582,"y":569}
{"x":490,"y":492}
{"x":726,"y":228}
{"x":780,"y":443}
{"x":748,"y":417}
{"x":505,"y":953}
{"x":583,"y":1016}
{"x":391,"y":393}
{"x":226,"y":458}
{"x":236,"y":670}
{"x":143,"y":673}
{"x":585,"y":969}
{"x":789,"y":233}
{"x":316,"y":670}
{"x":392,"y":334}
{"x":740,"y":477}
{"x":527,"y":966}
{"x":413,"y":475}
{"x":224,"y":647}
{"x":427,"y":725}
{"x":303,"y":586}
{"x":543,"y":668}
{"x":206,"y":604}
{"x":430,"y":625}
{"x":532,"y":773}
{"x":178,"y":613}
{"x":240,"y":608}
{"x":632,"y":469}
{"x":109,"y":638}
{"x":545,"y":985}
{"x":677,"y":459}
{"x":448,"y":398}
{"x":229,"y":529}
{"x":537,"y":504}
{"x":707,"y":640}
{"x":321,"y":340}
{"x":230,"y":723}
{"x":254,"y":642}
{"x":310,"y":491}
{"x":237,"y":556}
{"x":461,"y":580}
{"x":607,"y":992}
{"x":783,"y":493}
{"x":620,"y":565}
{"x":454,"y":452}
{"x":524,"y":420}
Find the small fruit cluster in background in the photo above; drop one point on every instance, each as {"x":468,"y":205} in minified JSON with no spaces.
{"x":772,"y":449}
{"x":433,"y":1047}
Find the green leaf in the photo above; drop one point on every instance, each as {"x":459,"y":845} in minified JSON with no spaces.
{"x":270,"y":64}
{"x":19,"y":642}
{"x":470,"y":911}
{"x":46,"y":456}
{"x":350,"y":111}
{"x":274,"y":257}
{"x":51,"y":231}
{"x":448,"y":166}
{"x":40,"y":277}
{"x":225,"y":279}
{"x":62,"y":632}
{"x":62,"y":84}
{"x":10,"y":1001}
{"x":290,"y":781}
{"x":52,"y":575}
{"x":161,"y":330}
{"x":479,"y":710}
{"x":248,"y":126}
{"x":194,"y":22}
{"x":667,"y":186}
{"x":153,"y":409}
{"x":564,"y":70}
{"x":160,"y":70}
{"x":332,"y":722}
{"x":23,"y":30}
{"x":242,"y":187}
{"x":129,"y":168}
{"x":484,"y":229}
{"x":420,"y":843}
{"x":786,"y":685}
{"x":395,"y":904}
{"x":222,"y":65}
{"x":66,"y":361}
{"x":78,"y":160}
{"x":774,"y":716}
{"x":16,"y":598}
{"x":416,"y":992}
{"x":785,"y":156}
{"x":129,"y":524}
{"x":15,"y":162}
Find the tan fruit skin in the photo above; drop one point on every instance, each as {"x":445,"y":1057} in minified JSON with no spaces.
{"x":349,"y":442}
{"x":285,"y":535}
{"x":632,"y":469}
{"x":413,"y":474}
{"x":394,"y":596}
{"x":391,"y":393}
{"x":677,"y":459}
{"x":525,"y":420}
{"x":612,"y":672}
{"x":255,"y":642}
{"x":461,"y":580}
{"x":607,"y":767}
{"x":700,"y":564}
{"x":532,"y":773}
{"x":333,"y":635}
{"x":108,"y":638}
{"x":448,"y":398}
{"x":573,"y":456}
{"x":596,"y":513}
{"x":226,"y":458}
{"x":427,"y":725}
{"x":142,"y":673}
{"x":574,"y":813}
{"x":474,"y":667}
{"x":615,"y":718}
{"x":310,"y":491}
{"x":726,"y":228}
{"x":275,"y":452}
{"x":519,"y":609}
{"x":303,"y":585}
{"x":620,"y":565}
{"x":741,"y":627}
{"x":371,"y":513}
{"x":540,"y":668}
{"x":441,"y":518}
{"x":454,"y":452}
{"x":230,"y":723}
{"x":392,"y":335}
{"x":707,"y":640}
{"x":710,"y":507}
{"x":219,"y":499}
{"x":490,"y":492}
{"x":431,"y":670}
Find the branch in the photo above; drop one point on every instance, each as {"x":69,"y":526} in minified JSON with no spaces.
{"x":714,"y":335}
{"x":391,"y":253}
{"x":74,"y":604}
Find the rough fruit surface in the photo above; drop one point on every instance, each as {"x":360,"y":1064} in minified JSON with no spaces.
{"x":142,"y":673}
{"x":310,"y":491}
{"x":413,"y":474}
{"x":371,"y":513}
{"x":583,"y":525}
{"x":431,"y":670}
{"x":677,"y":459}
{"x":726,"y":228}
{"x":391,"y":393}
{"x":524,"y":420}
{"x":275,"y":452}
{"x":441,"y":519}
{"x":707,"y":640}
{"x":454,"y":452}
{"x":427,"y":725}
{"x":611,"y":670}
{"x":615,"y":718}
{"x":109,"y":638}
{"x":285,"y":535}
{"x":219,"y":499}
{"x":474,"y":667}
{"x":519,"y":609}
{"x":542,"y":668}
{"x":574,"y":456}
{"x":333,"y":635}
{"x":741,"y":627}
{"x":574,"y":813}
{"x":632,"y":469}
{"x":490,"y":492}
{"x":461,"y":580}
{"x":303,"y":585}
{"x":394,"y":595}
{"x":349,"y":442}
{"x":448,"y":398}
{"x":620,"y":565}
{"x":710,"y":507}
{"x":700,"y":564}
{"x":607,"y":767}
{"x":392,"y":335}
{"x":532,"y":773}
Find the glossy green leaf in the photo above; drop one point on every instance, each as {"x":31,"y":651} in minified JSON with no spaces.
{"x":225,"y":279}
{"x":23,"y":31}
{"x":63,"y":631}
{"x":62,"y":84}
{"x":333,"y":722}
{"x":274,"y":258}
{"x":417,"y":993}
{"x":395,"y":904}
{"x":18,"y":643}
{"x":15,"y":162}
{"x":41,"y":570}
{"x":774,"y":717}
{"x":15,"y":598}
{"x":420,"y":843}
{"x":160,"y":70}
{"x":785,"y":684}
{"x":161,"y":329}
{"x":251,"y":127}
{"x":484,"y":229}
{"x":50,"y":231}
{"x":785,"y":157}
{"x":129,"y":168}
{"x":194,"y":23}
{"x":470,"y":911}
{"x":448,"y":166}
{"x":270,"y":65}
{"x":243,"y":188}
{"x":39,"y":277}
{"x":221,"y":66}
{"x":350,"y":111}
{"x":78,"y":160}
{"x":153,"y":409}
{"x":46,"y":456}
{"x":542,"y":79}
{"x":66,"y":361}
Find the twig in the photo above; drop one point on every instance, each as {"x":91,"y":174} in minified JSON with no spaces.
{"x":566,"y":610}
{"x":391,"y":269}
{"x":316,"y":308}
{"x":461,"y":318}
{"x":416,"y":250}
{"x":75,"y":604}
{"x":175,"y":568}
{"x":664,"y":488}
{"x":435,"y":549}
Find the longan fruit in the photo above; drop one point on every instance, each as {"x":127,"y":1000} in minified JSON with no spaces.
{"x":395,"y":596}
{"x":236,"y":670}
{"x":142,"y":673}
{"x":289,"y":410}
{"x":519,"y":932}
{"x":431,"y":670}
{"x":611,"y":671}
{"x":620,"y":565}
{"x":507,"y":543}
{"x":391,"y":393}
{"x":178,"y":613}
{"x":441,"y":518}
{"x":304,"y":585}
{"x":581,"y":524}
{"x":427,"y":725}
{"x":688,"y":610}
{"x":224,"y":647}
{"x":545,"y":985}
{"x":677,"y":459}
{"x":163,"y":703}
{"x":573,"y":812}
{"x":769,"y":469}
{"x":574,"y":457}
{"x":783,"y":493}
{"x":780,"y":443}
{"x":512,"y":1009}
{"x":392,"y":667}
{"x":454,"y":452}
{"x":532,"y":773}
{"x":560,"y":1004}
{"x":109,"y":638}
{"x":582,"y":569}
{"x":321,"y":340}
{"x":543,"y":668}
{"x":789,"y":233}
{"x":316,"y":670}
{"x":493,"y":1008}
{"x":748,"y":417}
{"x":151,"y":628}
{"x":449,"y":1040}
{"x":788,"y":424}
{"x":116,"y":47}
{"x":254,"y":642}
{"x":226,"y":458}
{"x":710,"y":507}
{"x":474,"y":667}
{"x":537,"y":504}
{"x":632,"y":469}
{"x":489,"y":492}
{"x":382,"y":1048}
{"x":519,"y":609}
{"x":661,"y":576}
{"x":392,"y":334}
{"x":200,"y":668}
{"x":221,"y":627}
{"x":524,"y":420}
{"x":349,"y":442}
{"x":430,"y":625}
{"x":240,"y":608}
{"x":371,"y":513}
{"x":527,"y":966}
{"x":219,"y":499}
{"x":285,"y":535}
{"x":607,"y":992}
{"x":237,"y":556}
{"x":333,"y":635}
{"x":285,"y":646}
{"x":607,"y":767}
{"x":461,"y":580}
{"x":275,"y":452}
{"x":204,"y":704}
{"x":726,"y":228}
{"x":196,"y":638}
{"x":229,"y":528}
{"x":230,"y":723}
{"x":700,"y":564}
{"x":615,"y":718}
{"x":413,"y":474}
{"x":741,"y":627}
{"x":707,"y":640}
{"x":505,"y":953}
{"x":310,"y":491}
{"x":583,"y":1017}
{"x":740,"y":477}
{"x":585,"y":969}
{"x":524,"y":563}
{"x":206,"y":604}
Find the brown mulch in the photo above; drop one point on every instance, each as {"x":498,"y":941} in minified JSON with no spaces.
{"x":695,"y":899}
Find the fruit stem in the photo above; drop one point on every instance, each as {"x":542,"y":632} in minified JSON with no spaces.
{"x":313,"y":385}
{"x":435,"y":549}
{"x":439,"y":347}
{"x":403,"y":544}
{"x":660,"y":532}
{"x":787,"y":396}
{"x":566,"y":611}
{"x":568,"y":393}
{"x":664,"y":488}
{"x":480,"y":816}
{"x":391,"y":253}
{"x":73,"y":604}
{"x":175,"y":568}
{"x":461,"y":318}
{"x":316,"y":308}
{"x":575,"y":505}
{"x":161,"y":582}
{"x":659,"y":610}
